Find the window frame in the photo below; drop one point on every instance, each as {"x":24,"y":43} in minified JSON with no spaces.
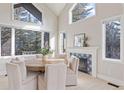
{"x":62,"y":42}
{"x":104,"y":38}
{"x":70,"y":15}
{"x":12,"y":17}
{"x":13,"y":40}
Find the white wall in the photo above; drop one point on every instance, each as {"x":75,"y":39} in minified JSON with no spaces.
{"x":93,"y":29}
{"x":49,"y":24}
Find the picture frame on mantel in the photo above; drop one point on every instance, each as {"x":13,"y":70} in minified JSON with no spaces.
{"x":79,"y":40}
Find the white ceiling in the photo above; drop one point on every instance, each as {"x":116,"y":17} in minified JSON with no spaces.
{"x":56,"y":7}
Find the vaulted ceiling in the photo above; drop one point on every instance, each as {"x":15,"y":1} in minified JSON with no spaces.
{"x":56,"y":7}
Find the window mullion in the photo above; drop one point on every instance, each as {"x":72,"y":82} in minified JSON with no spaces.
{"x":42,"y":39}
{"x":13,"y":42}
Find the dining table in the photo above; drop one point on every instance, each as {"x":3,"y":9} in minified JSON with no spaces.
{"x":39,"y":66}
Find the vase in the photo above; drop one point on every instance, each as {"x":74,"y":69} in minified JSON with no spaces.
{"x":44,"y":58}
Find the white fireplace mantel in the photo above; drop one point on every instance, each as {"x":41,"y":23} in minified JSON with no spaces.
{"x":87,"y":50}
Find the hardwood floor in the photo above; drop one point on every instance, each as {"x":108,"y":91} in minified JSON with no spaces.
{"x":85,"y":82}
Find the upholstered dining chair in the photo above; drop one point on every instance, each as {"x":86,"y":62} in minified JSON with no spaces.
{"x":72,"y":71}
{"x":18,"y":78}
{"x":54,"y":77}
{"x":63,"y":56}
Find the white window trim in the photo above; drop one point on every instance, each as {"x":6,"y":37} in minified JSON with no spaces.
{"x":121,"y":40}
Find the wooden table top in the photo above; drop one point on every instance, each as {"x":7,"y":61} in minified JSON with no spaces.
{"x":40,"y":66}
{"x":42,"y":63}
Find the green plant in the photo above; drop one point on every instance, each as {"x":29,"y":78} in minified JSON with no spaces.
{"x":45,"y":51}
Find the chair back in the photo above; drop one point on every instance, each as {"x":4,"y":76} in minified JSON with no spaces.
{"x":63,"y":56}
{"x":14,"y":76}
{"x":55,"y":75}
{"x":22,"y":68}
{"x":74,"y":64}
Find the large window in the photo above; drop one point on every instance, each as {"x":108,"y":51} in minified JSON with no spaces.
{"x":22,"y":42}
{"x":27,"y":41}
{"x":5,"y":41}
{"x":62,"y":42}
{"x":26,"y":13}
{"x":82,"y":11}
{"x":112,"y":39}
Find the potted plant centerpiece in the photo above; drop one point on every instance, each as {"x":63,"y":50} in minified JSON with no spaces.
{"x":45,"y":52}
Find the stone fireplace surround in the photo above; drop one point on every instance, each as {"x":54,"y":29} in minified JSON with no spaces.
{"x":87,"y":50}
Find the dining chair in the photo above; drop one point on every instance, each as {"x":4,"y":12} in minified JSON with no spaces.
{"x":54,"y":77}
{"x":72,"y":71}
{"x":63,"y":56}
{"x":18,"y":78}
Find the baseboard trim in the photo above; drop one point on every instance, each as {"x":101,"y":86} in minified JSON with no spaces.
{"x":110,"y":79}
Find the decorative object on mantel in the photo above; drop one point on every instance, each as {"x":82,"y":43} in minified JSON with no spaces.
{"x":85,"y":41}
{"x":80,"y":40}
{"x":45,"y":52}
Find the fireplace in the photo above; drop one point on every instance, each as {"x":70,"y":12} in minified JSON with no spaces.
{"x":88,"y":58}
{"x":85,"y":62}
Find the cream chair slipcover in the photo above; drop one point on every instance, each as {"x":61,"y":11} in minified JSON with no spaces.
{"x":72,"y":71}
{"x":54,"y":77}
{"x":18,"y":78}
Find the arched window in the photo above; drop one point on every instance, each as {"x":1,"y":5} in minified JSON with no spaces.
{"x":81,"y":11}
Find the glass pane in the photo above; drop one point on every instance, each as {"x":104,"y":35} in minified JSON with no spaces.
{"x":22,"y":14}
{"x":5,"y":41}
{"x":62,"y":43}
{"x":46,"y":39}
{"x":27,"y":42}
{"x":112,"y":29}
{"x":83,"y":11}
